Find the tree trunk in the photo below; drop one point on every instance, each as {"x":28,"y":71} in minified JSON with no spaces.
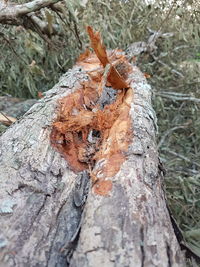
{"x":51,"y":215}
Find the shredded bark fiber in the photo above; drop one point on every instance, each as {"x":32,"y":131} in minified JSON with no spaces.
{"x":93,"y":127}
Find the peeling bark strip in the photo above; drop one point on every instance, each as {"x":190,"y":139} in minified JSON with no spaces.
{"x":51,"y":216}
{"x":93,"y":128}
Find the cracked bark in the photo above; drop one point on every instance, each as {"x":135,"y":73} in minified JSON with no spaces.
{"x":46,"y":220}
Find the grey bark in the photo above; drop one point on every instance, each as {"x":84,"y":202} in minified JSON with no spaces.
{"x":10,"y":11}
{"x":24,"y":15}
{"x":49,"y":215}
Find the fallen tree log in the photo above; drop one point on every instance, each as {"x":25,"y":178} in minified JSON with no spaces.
{"x":80,"y":183}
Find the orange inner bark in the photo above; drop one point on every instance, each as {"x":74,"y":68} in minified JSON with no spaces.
{"x":80,"y":116}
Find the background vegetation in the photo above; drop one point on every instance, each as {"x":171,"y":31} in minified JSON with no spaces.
{"x":31,"y":62}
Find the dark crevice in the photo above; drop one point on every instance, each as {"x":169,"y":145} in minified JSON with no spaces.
{"x":80,"y":197}
{"x":51,"y":226}
{"x":168,"y":255}
{"x":29,"y":188}
{"x":51,"y":248}
{"x":142,"y":246}
{"x":69,"y":235}
{"x":37,"y":214}
{"x":189,"y":254}
{"x":80,"y":137}
{"x":54,"y":237}
{"x":81,"y":189}
{"x":96,"y":134}
{"x":42,"y":206}
{"x":175,"y":226}
{"x":69,"y":249}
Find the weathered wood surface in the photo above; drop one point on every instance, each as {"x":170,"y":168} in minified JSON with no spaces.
{"x":44,"y":220}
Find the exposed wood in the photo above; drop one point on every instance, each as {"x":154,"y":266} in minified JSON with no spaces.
{"x":52,"y":216}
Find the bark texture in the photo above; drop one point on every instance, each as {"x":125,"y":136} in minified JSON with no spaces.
{"x":24,"y":15}
{"x":51,"y":216}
